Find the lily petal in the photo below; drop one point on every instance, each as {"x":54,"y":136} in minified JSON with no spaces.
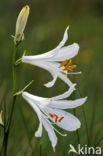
{"x":66,"y":52}
{"x":65,"y":37}
{"x":69,"y":121}
{"x":67,"y":104}
{"x":28,"y":97}
{"x":49,"y":54}
{"x":51,"y":83}
{"x":52,"y":67}
{"x":38,"y":133}
{"x":34,"y":100}
{"x":66,"y":94}
{"x":49,"y":128}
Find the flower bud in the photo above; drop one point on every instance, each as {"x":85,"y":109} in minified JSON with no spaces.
{"x":1,"y":121}
{"x":21,"y":23}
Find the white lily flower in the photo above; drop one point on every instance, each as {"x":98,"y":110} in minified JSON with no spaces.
{"x":49,"y":112}
{"x":50,"y":61}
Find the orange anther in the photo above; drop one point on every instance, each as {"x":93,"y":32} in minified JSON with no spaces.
{"x":63,"y":63}
{"x":56,"y":120}
{"x":63,"y":73}
{"x":73,"y":66}
{"x":69,"y":63}
{"x":51,"y":115}
{"x":69,"y":68}
{"x":56,"y":117}
{"x":61,"y":119}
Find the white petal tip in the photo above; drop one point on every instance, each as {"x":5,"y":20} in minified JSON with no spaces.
{"x":67,"y":27}
{"x":48,"y":85}
{"x":78,"y":125}
{"x":73,"y":86}
{"x":37,"y":135}
{"x":76,"y":45}
{"x":65,"y":134}
{"x":85,"y":99}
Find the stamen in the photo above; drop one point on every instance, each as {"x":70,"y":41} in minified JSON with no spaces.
{"x":73,"y":66}
{"x":69,"y":63}
{"x":56,"y":117}
{"x":63,"y":73}
{"x":63,"y":63}
{"x":60,"y":132}
{"x":75,"y":73}
{"x":61,"y":119}
{"x":51,"y":115}
{"x":68,"y":66}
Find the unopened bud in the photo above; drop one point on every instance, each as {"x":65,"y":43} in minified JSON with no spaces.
{"x":1,"y":121}
{"x":21,"y":23}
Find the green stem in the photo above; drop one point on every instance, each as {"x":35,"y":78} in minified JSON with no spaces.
{"x":14,"y":69}
{"x":7,"y":131}
{"x":40,"y":149}
{"x":77,"y":132}
{"x":14,"y":86}
{"x":85,"y":120}
{"x":86,"y":124}
{"x":87,"y":133}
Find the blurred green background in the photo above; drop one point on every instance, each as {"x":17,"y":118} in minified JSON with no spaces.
{"x":44,"y":30}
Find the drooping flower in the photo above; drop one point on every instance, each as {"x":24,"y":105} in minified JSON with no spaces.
{"x":50,"y":61}
{"x":21,"y":23}
{"x":50,"y":111}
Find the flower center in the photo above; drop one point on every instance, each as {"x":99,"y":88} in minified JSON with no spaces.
{"x":67,"y":66}
{"x":57,"y":119}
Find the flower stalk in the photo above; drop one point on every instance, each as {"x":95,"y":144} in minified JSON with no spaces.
{"x":19,"y":36}
{"x":7,"y":128}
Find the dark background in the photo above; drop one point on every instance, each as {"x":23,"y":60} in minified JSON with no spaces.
{"x":44,"y":30}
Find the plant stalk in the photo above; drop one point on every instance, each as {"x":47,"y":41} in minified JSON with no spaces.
{"x":8,"y":125}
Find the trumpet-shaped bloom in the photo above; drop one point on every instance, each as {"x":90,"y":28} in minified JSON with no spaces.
{"x":50,"y":61}
{"x":50,"y":111}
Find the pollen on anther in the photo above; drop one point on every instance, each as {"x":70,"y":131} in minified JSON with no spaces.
{"x":51,"y":115}
{"x":70,"y":67}
{"x":56,"y":117}
{"x":69,"y":63}
{"x":63,"y":63}
{"x":61,"y":119}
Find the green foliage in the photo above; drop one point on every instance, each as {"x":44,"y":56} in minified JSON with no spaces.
{"x":45,"y":27}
